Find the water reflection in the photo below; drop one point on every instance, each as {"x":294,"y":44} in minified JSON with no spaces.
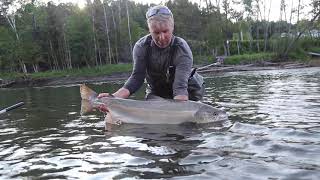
{"x":274,"y":134}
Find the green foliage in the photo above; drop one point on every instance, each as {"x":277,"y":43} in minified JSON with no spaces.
{"x":51,"y":35}
{"x":274,"y":45}
{"x":7,"y":49}
{"x":315,"y":49}
{"x":203,"y":59}
{"x":246,"y":46}
{"x":309,"y":44}
{"x":99,"y":70}
{"x":280,"y":44}
{"x":299,"y":49}
{"x":214,"y":36}
{"x":186,"y":24}
{"x":299,"y":55}
{"x":29,"y":52}
{"x":249,"y":58}
{"x":79,"y":34}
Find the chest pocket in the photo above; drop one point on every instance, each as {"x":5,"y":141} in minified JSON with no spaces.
{"x":158,"y":63}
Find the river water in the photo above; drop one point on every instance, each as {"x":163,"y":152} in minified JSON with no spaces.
{"x":274,"y":133}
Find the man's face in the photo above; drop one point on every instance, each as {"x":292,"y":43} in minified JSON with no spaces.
{"x":161,"y":33}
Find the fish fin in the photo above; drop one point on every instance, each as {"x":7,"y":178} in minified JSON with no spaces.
{"x":110,"y":120}
{"x":86,"y":106}
{"x":87,"y":93}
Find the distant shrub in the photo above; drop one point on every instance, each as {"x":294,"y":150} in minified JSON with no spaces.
{"x":197,"y":59}
{"x":249,"y":58}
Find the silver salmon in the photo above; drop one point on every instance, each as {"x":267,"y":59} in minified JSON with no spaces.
{"x":151,"y":112}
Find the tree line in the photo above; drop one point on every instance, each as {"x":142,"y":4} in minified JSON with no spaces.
{"x":38,"y":37}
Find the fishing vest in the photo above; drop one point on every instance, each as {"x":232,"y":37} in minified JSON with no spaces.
{"x":160,"y":79}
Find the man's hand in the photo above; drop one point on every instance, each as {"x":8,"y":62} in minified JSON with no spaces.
{"x":103,"y":107}
{"x":101,"y":95}
{"x":181,"y":98}
{"x":121,"y":93}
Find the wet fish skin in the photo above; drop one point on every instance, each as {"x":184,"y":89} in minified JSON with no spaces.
{"x":151,"y":112}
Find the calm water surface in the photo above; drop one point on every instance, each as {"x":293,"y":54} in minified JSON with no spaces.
{"x":274,"y":133}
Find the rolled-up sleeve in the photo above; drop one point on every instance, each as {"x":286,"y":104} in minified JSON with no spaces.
{"x":183,"y":61}
{"x":136,"y":79}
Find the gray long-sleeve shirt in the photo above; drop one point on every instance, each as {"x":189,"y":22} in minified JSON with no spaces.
{"x":156,"y":62}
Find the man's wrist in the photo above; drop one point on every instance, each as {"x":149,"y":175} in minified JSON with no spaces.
{"x":122,"y":93}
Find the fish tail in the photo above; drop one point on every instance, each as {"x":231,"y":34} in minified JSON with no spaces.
{"x":86,"y":107}
{"x":87,"y":96}
{"x":87,"y":93}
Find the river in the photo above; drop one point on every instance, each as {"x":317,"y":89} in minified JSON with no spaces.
{"x":274,"y":133}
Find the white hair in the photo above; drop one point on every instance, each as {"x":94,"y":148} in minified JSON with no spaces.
{"x":159,"y":19}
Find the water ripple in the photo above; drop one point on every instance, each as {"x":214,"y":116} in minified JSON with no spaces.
{"x":273,"y":133}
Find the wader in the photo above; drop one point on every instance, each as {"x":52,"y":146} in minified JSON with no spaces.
{"x":160,"y":79}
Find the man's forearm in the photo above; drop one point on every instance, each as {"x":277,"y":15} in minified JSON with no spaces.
{"x":122,"y":93}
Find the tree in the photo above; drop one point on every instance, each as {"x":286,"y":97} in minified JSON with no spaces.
{"x":7,"y":50}
{"x":315,"y":4}
{"x":29,"y":49}
{"x":95,"y":42}
{"x":11,"y":19}
{"x":107,"y":31}
{"x":58,"y":47}
{"x":129,"y":29}
{"x":294,"y":40}
{"x":79,"y":33}
{"x":249,"y":13}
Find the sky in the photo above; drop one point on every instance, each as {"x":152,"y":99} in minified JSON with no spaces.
{"x":82,"y":3}
{"x":274,"y":11}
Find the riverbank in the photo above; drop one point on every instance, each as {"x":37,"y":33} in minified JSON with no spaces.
{"x":206,"y":71}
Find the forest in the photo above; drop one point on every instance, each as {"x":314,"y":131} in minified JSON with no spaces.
{"x":37,"y":36}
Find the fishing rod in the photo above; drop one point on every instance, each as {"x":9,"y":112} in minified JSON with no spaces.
{"x":11,"y":107}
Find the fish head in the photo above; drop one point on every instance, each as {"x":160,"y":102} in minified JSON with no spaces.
{"x":207,"y":114}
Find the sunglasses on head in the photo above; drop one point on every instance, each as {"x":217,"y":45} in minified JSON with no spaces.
{"x":156,"y":11}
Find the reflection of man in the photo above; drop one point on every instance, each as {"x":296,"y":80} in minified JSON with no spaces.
{"x":163,"y":59}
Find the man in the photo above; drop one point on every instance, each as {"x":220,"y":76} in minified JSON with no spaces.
{"x":164,"y":60}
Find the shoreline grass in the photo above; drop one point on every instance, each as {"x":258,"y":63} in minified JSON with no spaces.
{"x":110,"y":69}
{"x":249,"y":58}
{"x":94,"y":71}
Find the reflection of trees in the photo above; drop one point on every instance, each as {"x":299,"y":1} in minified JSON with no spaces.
{"x":37,"y":130}
{"x":47,"y":106}
{"x":239,"y":94}
{"x":264,"y":95}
